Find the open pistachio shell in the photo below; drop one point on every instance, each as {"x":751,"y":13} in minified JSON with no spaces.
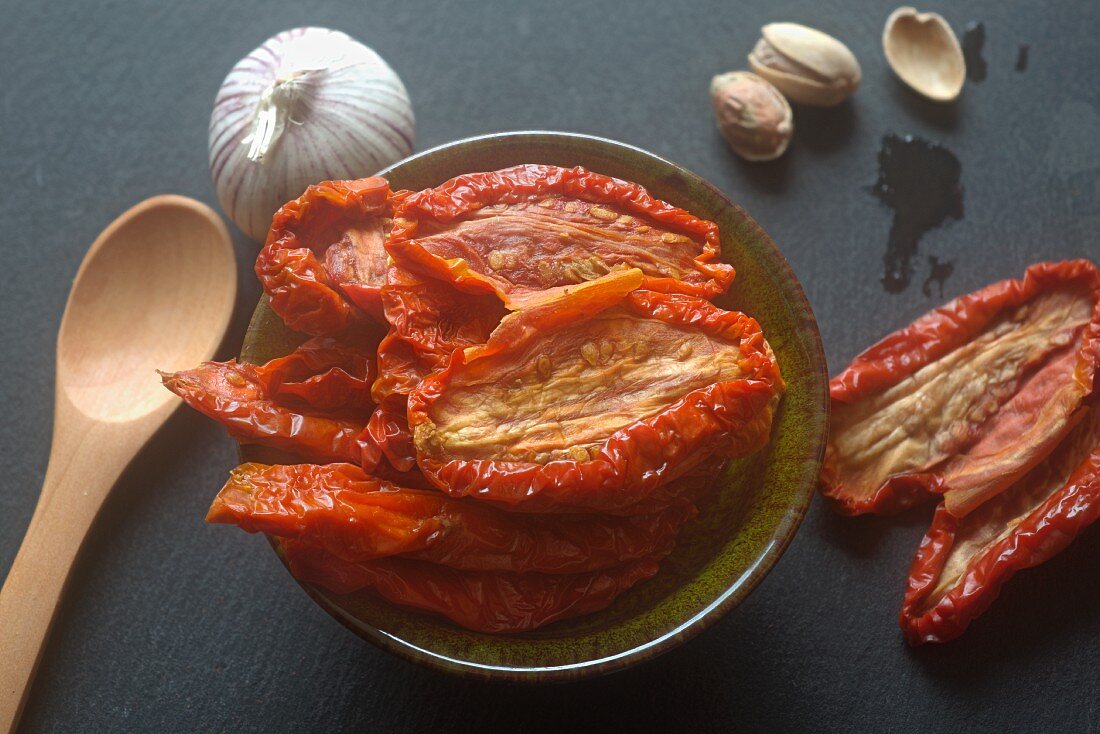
{"x":806,"y":65}
{"x":925,"y":54}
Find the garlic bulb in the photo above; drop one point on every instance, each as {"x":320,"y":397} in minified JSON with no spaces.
{"x":310,"y":104}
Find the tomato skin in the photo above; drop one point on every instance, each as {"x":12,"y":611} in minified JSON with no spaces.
{"x":314,"y":403}
{"x":388,"y":428}
{"x":313,"y":273}
{"x":357,"y":517}
{"x":490,"y":602}
{"x":323,"y":373}
{"x":727,"y":419}
{"x":1050,"y":507}
{"x":428,"y":320}
{"x":931,"y":338}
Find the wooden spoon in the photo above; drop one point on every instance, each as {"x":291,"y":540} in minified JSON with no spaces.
{"x":155,"y":290}
{"x":925,"y":54}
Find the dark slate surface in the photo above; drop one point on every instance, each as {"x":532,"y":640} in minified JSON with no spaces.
{"x":175,"y":626}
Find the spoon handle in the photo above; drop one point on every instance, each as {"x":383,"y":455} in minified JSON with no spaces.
{"x":78,"y":480}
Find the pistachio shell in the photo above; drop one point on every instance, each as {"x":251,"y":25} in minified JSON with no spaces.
{"x":925,"y":54}
{"x":808,"y":66}
{"x":752,"y":115}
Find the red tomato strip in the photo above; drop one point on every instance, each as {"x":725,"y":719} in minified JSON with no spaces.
{"x":969,"y":397}
{"x":323,"y":373}
{"x":963,"y":562}
{"x":356,"y":517}
{"x":324,"y":263}
{"x":493,"y":602}
{"x":428,"y":320}
{"x":388,"y":429}
{"x":282,"y":406}
{"x":525,"y":231}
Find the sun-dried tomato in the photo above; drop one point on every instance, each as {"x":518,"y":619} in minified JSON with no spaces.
{"x":323,"y":373}
{"x":485,"y":601}
{"x":324,"y":263}
{"x":525,"y":231}
{"x":511,"y":238}
{"x":428,"y":320}
{"x":356,"y":517}
{"x":282,"y":406}
{"x":969,"y":397}
{"x":963,"y":562}
{"x":593,"y":401}
{"x":388,"y":429}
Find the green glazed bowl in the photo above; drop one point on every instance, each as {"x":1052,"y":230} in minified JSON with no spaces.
{"x":741,"y":531}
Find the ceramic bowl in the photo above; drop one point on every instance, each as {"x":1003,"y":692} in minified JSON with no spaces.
{"x":741,"y":531}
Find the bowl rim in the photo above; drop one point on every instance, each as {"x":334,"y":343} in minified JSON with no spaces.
{"x":737,"y":589}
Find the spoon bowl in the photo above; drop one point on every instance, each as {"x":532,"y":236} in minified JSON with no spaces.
{"x":156,"y":289}
{"x":119,"y":326}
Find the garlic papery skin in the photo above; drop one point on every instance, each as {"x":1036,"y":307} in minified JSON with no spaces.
{"x":309,"y":105}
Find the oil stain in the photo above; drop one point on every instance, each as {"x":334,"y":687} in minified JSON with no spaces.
{"x":920,"y":181}
{"x":938,"y":273}
{"x":973,"y":42}
{"x":1021,"y":57}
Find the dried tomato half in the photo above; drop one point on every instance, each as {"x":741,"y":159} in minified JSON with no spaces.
{"x":428,"y":320}
{"x":485,"y":601}
{"x":529,"y":229}
{"x":969,"y":397}
{"x":324,"y":263}
{"x":594,"y":401}
{"x":388,"y":429}
{"x":693,"y":486}
{"x":963,"y":562}
{"x":356,"y":517}
{"x":323,"y":373}
{"x":283,"y":406}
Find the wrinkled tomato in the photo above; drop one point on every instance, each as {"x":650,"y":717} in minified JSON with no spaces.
{"x":962,"y":563}
{"x":293,"y":403}
{"x":969,"y":397}
{"x":495,"y":602}
{"x":356,"y":517}
{"x":388,"y":429}
{"x":324,"y":262}
{"x":323,"y":373}
{"x":525,"y":231}
{"x":428,"y":320}
{"x":593,"y":401}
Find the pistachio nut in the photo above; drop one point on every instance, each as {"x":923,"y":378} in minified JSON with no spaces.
{"x":925,"y":54}
{"x":806,"y":65}
{"x":752,"y":115}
